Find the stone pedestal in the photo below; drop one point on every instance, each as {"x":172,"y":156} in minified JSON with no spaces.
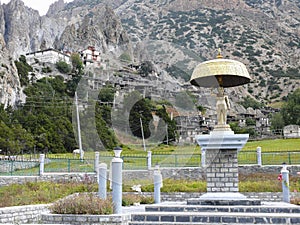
{"x":222,"y":170}
{"x":221,"y":149}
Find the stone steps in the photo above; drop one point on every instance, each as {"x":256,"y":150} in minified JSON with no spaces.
{"x":214,"y":218}
{"x":179,"y":223}
{"x":267,"y":208}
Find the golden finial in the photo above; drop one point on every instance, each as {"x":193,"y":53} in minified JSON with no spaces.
{"x":219,"y":56}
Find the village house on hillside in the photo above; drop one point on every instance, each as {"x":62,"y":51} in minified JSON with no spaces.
{"x":154,"y":86}
{"x":90,"y":56}
{"x":49,"y":55}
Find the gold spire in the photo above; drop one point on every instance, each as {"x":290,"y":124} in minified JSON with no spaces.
{"x":219,"y":56}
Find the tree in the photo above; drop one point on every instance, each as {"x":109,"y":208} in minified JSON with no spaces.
{"x":277,"y":122}
{"x":291,"y":109}
{"x":146,"y":68}
{"x":77,"y":65}
{"x":141,"y":110}
{"x":171,"y":124}
{"x":23,"y":69}
{"x":63,"y":67}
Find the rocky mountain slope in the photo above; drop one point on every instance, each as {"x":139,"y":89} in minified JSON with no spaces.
{"x":10,"y":89}
{"x":175,"y":34}
{"x":262,"y":34}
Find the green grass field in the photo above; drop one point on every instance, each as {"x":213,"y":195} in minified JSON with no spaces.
{"x":274,"y":145}
{"x":274,"y":152}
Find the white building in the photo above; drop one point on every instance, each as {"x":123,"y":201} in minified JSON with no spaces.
{"x":90,"y":56}
{"x":47,"y":56}
{"x":291,"y":131}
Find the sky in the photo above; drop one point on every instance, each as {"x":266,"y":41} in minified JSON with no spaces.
{"x":40,"y":5}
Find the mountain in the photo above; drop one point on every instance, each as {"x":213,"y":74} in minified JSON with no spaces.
{"x":72,"y":29}
{"x":262,"y":34}
{"x":175,"y":34}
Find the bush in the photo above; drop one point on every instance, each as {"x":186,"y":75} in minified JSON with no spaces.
{"x":83,"y":204}
{"x":46,"y":69}
{"x":295,"y":201}
{"x":63,"y":67}
{"x":130,"y":199}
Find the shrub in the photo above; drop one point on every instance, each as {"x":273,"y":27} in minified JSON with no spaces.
{"x":46,"y":69}
{"x":295,"y":201}
{"x":130,"y":199}
{"x":63,"y":67}
{"x":83,"y":204}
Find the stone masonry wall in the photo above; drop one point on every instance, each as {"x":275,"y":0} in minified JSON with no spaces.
{"x":114,"y":219}
{"x":222,"y":171}
{"x":22,"y":214}
{"x":188,"y":173}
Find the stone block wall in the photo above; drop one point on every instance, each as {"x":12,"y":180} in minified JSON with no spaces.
{"x":189,"y":173}
{"x":222,"y":171}
{"x":22,"y":214}
{"x":114,"y":219}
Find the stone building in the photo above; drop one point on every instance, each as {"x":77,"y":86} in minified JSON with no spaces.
{"x":49,"y":55}
{"x":291,"y":131}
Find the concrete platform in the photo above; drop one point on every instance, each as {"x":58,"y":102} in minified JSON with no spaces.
{"x":223,"y":198}
{"x":181,"y":213}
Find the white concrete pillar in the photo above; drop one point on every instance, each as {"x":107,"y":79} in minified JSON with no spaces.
{"x":285,"y":183}
{"x":258,"y":152}
{"x":158,"y":183}
{"x":102,"y":181}
{"x":149,"y":160}
{"x":42,"y":164}
{"x":117,"y":164}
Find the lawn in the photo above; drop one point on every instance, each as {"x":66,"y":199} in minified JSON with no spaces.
{"x":274,"y":145}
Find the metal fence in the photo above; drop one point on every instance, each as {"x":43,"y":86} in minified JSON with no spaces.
{"x":136,"y":162}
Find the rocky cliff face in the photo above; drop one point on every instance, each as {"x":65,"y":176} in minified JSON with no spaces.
{"x":99,"y":28}
{"x":10,"y":89}
{"x":175,"y":34}
{"x":66,"y":26}
{"x":21,"y":28}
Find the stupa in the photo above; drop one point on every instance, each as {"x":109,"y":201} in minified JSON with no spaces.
{"x":221,"y":146}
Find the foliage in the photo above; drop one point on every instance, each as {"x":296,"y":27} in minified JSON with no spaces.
{"x":83,"y":204}
{"x":277,"y":122}
{"x":13,"y":137}
{"x":171,"y":125}
{"x":37,"y":192}
{"x":77,"y":64}
{"x":250,"y":122}
{"x":105,"y":133}
{"x":291,"y":109}
{"x":146,"y":68}
{"x":23,"y":69}
{"x":72,"y":85}
{"x":125,"y":57}
{"x":242,"y":130}
{"x":131,"y":199}
{"x":250,"y":102}
{"x":141,"y":112}
{"x":63,"y":67}
{"x":295,"y":201}
{"x":46,"y":69}
{"x":103,"y":117}
{"x":43,"y":121}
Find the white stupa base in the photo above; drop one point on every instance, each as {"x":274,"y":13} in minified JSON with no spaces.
{"x":222,"y":139}
{"x":223,"y":198}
